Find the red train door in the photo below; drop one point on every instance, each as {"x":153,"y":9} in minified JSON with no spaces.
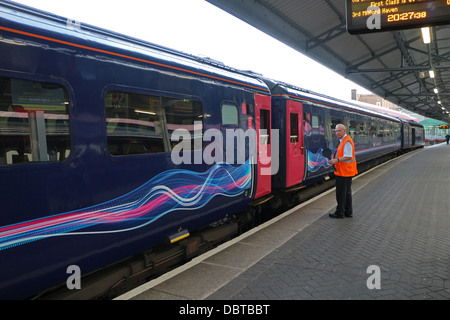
{"x":263,"y":135}
{"x":295,"y":157}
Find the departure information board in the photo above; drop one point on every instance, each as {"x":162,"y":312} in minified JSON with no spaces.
{"x":377,"y":16}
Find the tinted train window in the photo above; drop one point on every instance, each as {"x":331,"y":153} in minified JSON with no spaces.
{"x":294,"y":127}
{"x":362,"y":130}
{"x":134,"y":123}
{"x":185,"y":114}
{"x":229,"y":115}
{"x":334,"y":123}
{"x":315,"y":121}
{"x":389,"y":132}
{"x":351,"y":128}
{"x":265,"y":126}
{"x":141,"y":124}
{"x":372,"y":130}
{"x":34,"y":122}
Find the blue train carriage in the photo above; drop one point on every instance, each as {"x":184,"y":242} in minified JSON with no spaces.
{"x":307,"y":139}
{"x":87,"y":119}
{"x":413,"y":135}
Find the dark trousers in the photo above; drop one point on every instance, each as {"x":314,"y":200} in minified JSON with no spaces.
{"x":344,"y":196}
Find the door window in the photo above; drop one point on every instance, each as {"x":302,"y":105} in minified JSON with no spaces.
{"x":294,"y":127}
{"x":265,"y":127}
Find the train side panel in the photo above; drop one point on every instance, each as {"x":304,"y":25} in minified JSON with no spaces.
{"x":87,"y":176}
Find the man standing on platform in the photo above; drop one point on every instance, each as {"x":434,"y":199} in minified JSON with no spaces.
{"x":345,"y":169}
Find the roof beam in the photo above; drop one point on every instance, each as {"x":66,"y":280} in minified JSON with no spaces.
{"x":400,"y":69}
{"x":325,"y":37}
{"x":425,"y":94}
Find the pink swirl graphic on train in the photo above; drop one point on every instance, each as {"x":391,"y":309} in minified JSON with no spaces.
{"x":317,"y":161}
{"x":171,"y":190}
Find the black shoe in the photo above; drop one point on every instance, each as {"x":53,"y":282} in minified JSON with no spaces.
{"x":334,"y":215}
{"x":348,"y":215}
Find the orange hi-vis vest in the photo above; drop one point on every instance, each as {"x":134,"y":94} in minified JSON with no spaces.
{"x":345,"y":168}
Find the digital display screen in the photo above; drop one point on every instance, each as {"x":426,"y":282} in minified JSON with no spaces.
{"x":377,"y":16}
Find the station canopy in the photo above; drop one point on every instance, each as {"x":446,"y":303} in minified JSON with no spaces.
{"x":394,"y":65}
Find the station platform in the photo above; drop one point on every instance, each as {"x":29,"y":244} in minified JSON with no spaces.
{"x":396,"y":247}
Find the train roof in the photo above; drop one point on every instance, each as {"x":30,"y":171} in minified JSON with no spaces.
{"x":288,"y":90}
{"x":91,"y":37}
{"x":391,"y":112}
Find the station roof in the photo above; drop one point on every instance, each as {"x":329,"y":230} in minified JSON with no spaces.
{"x":393,"y":64}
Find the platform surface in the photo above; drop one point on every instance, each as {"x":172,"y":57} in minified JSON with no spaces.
{"x":397,"y":245}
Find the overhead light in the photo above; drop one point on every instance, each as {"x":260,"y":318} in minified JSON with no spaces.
{"x":426,"y":35}
{"x":435,"y":90}
{"x":439,"y":102}
{"x":432,"y":74}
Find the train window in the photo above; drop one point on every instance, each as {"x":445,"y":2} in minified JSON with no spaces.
{"x":34,"y":122}
{"x":229,"y":115}
{"x":351,"y":128}
{"x":372,"y":130}
{"x":142,"y":124}
{"x":185,"y":114}
{"x":294,"y":127}
{"x":389,"y":132}
{"x":362,"y":130}
{"x":315,"y":121}
{"x":328,"y":129}
{"x":265,"y":126}
{"x":334,"y":123}
{"x":134,"y":123}
{"x":381,"y":132}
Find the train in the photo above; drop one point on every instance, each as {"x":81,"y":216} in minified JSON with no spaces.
{"x":111,"y":146}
